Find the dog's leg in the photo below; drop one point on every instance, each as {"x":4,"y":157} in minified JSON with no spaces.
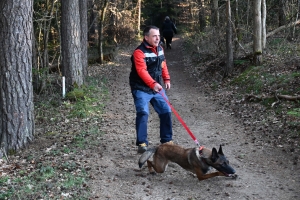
{"x":202,"y":176}
{"x":159,"y":164}
{"x":150,"y":167}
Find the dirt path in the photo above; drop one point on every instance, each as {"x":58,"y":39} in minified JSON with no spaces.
{"x":264,"y":172}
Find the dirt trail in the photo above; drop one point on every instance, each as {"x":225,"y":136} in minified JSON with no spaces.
{"x":264,"y":172}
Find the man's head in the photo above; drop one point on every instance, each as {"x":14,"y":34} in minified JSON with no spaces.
{"x":151,"y":35}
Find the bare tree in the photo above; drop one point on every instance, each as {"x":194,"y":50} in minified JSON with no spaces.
{"x":101,"y":31}
{"x":43,"y":21}
{"x":237,"y":24}
{"x":297,"y":17}
{"x":229,"y":48}
{"x":263,"y":23}
{"x":71,"y":44}
{"x":215,"y":13}
{"x":16,"y":92}
{"x":257,"y":32}
{"x":139,"y":17}
{"x":202,"y":20}
{"x":281,"y":12}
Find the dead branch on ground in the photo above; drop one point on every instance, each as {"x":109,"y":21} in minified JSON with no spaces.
{"x":277,"y":96}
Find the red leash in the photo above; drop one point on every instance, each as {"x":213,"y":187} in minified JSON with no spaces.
{"x":181,"y":120}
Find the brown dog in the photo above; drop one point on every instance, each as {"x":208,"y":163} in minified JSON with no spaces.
{"x":195,"y":160}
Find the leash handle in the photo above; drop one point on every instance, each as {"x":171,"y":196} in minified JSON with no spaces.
{"x":180,"y":119}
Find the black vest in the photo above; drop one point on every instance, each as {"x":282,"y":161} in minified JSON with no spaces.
{"x":154,"y":68}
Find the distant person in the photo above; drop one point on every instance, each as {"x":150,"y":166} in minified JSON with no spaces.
{"x":148,"y":71}
{"x":168,"y":30}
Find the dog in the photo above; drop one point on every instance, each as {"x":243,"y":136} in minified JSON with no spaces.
{"x":196,"y":160}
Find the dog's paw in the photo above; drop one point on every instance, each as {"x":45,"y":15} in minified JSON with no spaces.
{"x":152,"y":173}
{"x":233,"y":176}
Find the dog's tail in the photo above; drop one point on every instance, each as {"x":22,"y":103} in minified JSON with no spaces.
{"x":146,"y":155}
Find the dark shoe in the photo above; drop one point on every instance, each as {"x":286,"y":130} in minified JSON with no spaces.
{"x":142,"y":148}
{"x":170,"y":46}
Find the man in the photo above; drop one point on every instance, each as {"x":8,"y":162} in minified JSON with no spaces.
{"x":168,"y":30}
{"x":148,"y":70}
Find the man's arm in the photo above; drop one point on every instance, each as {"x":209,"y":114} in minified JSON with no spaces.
{"x":141,"y":68}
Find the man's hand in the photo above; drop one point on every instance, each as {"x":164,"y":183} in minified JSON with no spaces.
{"x":168,"y":85}
{"x":157,"y":87}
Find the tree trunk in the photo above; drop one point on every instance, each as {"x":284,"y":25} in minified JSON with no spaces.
{"x":229,"y":63}
{"x":237,"y":24}
{"x":111,"y":29}
{"x":84,"y":35}
{"x":263,"y":20}
{"x":202,"y":20}
{"x":297,"y":16}
{"x":139,"y":18}
{"x":281,"y":13}
{"x":16,"y":92}
{"x":92,"y":22}
{"x":257,"y":33}
{"x":215,"y":11}
{"x":100,"y":31}
{"x":71,"y":44}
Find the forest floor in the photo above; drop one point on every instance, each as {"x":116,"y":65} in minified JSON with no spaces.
{"x":265,"y":171}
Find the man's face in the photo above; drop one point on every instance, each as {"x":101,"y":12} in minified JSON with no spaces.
{"x":153,"y":38}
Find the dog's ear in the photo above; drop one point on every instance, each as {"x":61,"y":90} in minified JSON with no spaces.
{"x":220,"y":150}
{"x":214,"y":155}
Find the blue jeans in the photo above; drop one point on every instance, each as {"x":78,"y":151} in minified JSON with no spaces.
{"x":141,"y":102}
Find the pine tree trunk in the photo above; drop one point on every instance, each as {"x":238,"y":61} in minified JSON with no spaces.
{"x":71,"y":44}
{"x":16,"y":92}
{"x":84,"y":35}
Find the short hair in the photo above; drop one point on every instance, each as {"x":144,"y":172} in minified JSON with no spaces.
{"x":148,"y":28}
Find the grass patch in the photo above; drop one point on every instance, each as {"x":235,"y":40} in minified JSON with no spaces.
{"x":46,"y":182}
{"x":294,"y":112}
{"x":84,"y":102}
{"x":251,"y":80}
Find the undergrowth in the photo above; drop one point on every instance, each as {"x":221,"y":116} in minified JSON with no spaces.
{"x":52,"y":167}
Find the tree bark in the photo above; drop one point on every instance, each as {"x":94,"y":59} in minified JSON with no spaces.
{"x":100,"y":31}
{"x":202,"y":20}
{"x":16,"y":92}
{"x":263,"y":21}
{"x":281,"y":13}
{"x":84,"y":35}
{"x":71,"y":44}
{"x":139,"y":18}
{"x":215,"y":13}
{"x":257,"y":32}
{"x":229,"y":48}
{"x":237,"y":24}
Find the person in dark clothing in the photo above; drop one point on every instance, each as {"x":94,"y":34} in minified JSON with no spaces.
{"x":168,"y":30}
{"x":148,"y":71}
